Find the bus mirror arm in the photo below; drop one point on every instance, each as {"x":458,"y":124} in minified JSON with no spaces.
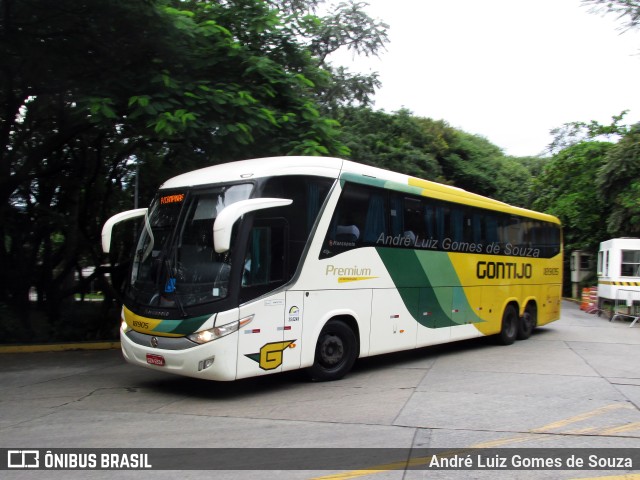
{"x":120,"y":217}
{"x":223,"y":224}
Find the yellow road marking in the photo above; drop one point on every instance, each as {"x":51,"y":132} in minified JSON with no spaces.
{"x":498,"y":443}
{"x":505,"y":441}
{"x":414,"y":462}
{"x":579,"y":418}
{"x":622,"y":428}
{"x":628,"y":476}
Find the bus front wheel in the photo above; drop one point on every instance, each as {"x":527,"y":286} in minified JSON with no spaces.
{"x":336,"y":352}
{"x":509,"y":331}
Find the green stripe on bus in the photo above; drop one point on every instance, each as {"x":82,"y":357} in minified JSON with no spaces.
{"x":182,"y":327}
{"x":377,"y":182}
{"x":431,"y":306}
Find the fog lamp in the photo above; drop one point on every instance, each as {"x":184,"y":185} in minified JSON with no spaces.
{"x":206,"y":363}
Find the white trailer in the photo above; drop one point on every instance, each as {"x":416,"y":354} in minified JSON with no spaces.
{"x":619,"y":276}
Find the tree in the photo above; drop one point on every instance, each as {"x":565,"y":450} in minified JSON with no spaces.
{"x":63,"y":79}
{"x":91,"y":91}
{"x":575,"y":132}
{"x":619,"y":185}
{"x":432,"y":149}
{"x":627,"y":10}
{"x":477,"y":165}
{"x":615,"y":178}
{"x":345,"y":26}
{"x":567,"y":189}
{"x":394,"y":141}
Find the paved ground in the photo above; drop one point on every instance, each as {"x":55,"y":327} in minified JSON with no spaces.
{"x":573,"y":384}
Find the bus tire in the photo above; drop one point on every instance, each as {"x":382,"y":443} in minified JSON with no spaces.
{"x":336,"y":352}
{"x":527,"y":322}
{"x":509,"y":330}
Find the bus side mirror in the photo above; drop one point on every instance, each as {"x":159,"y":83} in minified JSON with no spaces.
{"x":223,"y":225}
{"x":120,"y":217}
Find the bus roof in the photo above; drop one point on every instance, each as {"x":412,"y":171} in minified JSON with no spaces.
{"x":258,"y":168}
{"x":347,"y":170}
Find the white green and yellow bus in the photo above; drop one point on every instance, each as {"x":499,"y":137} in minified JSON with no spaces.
{"x":275,"y":264}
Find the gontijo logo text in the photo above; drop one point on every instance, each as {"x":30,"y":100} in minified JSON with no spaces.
{"x":493,"y":270}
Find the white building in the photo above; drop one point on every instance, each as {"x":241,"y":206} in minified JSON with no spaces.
{"x":619,"y":274}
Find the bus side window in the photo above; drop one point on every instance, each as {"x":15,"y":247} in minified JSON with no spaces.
{"x":457,"y":223}
{"x":413,"y":225}
{"x":264,"y":261}
{"x":353,"y":223}
{"x":429,"y":220}
{"x":443,"y":218}
{"x":492,"y":228}
{"x":478,"y":229}
{"x":376,"y":223}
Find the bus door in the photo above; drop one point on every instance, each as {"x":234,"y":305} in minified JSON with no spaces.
{"x":292,"y":328}
{"x":262,"y":343}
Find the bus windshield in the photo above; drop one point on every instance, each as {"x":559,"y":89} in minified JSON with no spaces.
{"x":175,"y":264}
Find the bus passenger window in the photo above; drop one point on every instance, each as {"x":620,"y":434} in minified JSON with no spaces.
{"x":354,"y":222}
{"x":442,"y":222}
{"x":376,"y":219}
{"x":414,"y":219}
{"x":457,"y":224}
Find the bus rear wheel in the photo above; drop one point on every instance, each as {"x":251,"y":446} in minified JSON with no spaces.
{"x":509,"y":331}
{"x":336,"y":352}
{"x":527,"y":322}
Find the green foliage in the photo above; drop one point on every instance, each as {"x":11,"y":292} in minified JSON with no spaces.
{"x":398,"y":142}
{"x":346,"y":26}
{"x":92,"y":91}
{"x":431,"y":149}
{"x":576,"y":132}
{"x":619,"y":185}
{"x":512,"y":181}
{"x":566,"y":188}
{"x":600,"y":198}
{"x":626,"y":10}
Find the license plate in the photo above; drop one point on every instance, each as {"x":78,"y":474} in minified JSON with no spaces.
{"x":153,"y":359}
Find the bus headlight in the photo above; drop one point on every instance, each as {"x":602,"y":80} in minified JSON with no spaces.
{"x":205,"y":336}
{"x":124,"y":326}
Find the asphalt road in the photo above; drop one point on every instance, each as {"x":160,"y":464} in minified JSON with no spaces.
{"x":574,"y":384}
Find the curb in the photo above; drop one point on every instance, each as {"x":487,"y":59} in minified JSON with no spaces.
{"x":61,"y":347}
{"x":572,"y":300}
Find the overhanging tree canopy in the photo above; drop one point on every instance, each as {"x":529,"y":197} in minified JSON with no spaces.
{"x":89,"y":88}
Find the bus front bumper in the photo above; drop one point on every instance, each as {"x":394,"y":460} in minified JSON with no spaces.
{"x":215,"y":360}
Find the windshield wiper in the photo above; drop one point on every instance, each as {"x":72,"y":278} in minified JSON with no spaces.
{"x":147,"y":226}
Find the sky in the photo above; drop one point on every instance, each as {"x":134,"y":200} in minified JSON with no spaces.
{"x":508,"y":70}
